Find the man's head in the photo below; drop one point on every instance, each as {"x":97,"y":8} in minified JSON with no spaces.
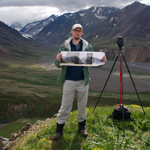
{"x":77,"y":31}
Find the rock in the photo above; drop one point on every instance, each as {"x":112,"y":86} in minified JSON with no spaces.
{"x":29,"y":125}
{"x":39,"y":122}
{"x":47,"y":119}
{"x":4,"y":139}
{"x":19,"y":134}
{"x":1,"y":144}
{"x":13,"y":136}
{"x":5,"y":143}
{"x":25,"y":129}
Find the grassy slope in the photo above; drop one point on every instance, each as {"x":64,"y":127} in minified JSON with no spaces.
{"x":103,"y":133}
{"x":106,"y":43}
{"x":16,"y":126}
{"x":22,"y":80}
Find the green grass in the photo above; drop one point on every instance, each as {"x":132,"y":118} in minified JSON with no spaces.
{"x":28,"y":91}
{"x":24,"y":82}
{"x":16,"y":126}
{"x":113,"y":98}
{"x":103,"y":133}
{"x":130,"y":96}
{"x":36,"y":94}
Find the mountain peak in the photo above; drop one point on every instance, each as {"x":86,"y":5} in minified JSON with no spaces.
{"x":16,"y":25}
{"x":136,"y":4}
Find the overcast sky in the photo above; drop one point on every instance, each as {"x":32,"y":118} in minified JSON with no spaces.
{"x":25,"y":11}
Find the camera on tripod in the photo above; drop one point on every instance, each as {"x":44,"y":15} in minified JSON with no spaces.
{"x":120,"y":42}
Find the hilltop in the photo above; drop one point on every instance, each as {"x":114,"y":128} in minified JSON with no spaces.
{"x":103,"y":133}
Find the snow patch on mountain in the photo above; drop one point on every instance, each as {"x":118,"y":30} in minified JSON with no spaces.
{"x":48,"y":33}
{"x":81,"y":14}
{"x":95,"y":37}
{"x":100,"y":17}
{"x":98,"y":11}
{"x":94,"y":9}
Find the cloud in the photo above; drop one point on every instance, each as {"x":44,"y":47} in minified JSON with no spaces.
{"x":26,"y":11}
{"x":26,"y":14}
{"x":68,"y":5}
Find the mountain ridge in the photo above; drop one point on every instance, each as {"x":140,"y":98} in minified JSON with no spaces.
{"x":32,"y":29}
{"x":88,"y":18}
{"x":102,"y":26}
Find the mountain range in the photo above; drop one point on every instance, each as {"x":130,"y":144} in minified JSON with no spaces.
{"x":132,"y":22}
{"x":32,"y":29}
{"x":101,"y":27}
{"x":58,"y":29}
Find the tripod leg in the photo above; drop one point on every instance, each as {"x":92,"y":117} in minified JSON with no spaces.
{"x":133,"y":83}
{"x":106,"y":81}
{"x":121,"y":92}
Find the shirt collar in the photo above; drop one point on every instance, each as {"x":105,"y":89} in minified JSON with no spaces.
{"x":80,"y":42}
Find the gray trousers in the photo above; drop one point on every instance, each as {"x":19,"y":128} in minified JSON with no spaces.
{"x":69,"y":90}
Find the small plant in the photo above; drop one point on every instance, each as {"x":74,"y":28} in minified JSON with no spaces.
{"x":104,"y":133}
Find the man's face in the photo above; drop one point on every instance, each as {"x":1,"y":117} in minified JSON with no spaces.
{"x":77,"y":33}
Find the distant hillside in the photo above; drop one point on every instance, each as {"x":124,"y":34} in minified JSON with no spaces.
{"x":131,"y":22}
{"x":13,"y":44}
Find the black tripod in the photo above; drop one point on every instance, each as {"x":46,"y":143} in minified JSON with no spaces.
{"x":120,"y":43}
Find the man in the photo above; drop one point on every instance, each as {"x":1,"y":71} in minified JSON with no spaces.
{"x":74,"y":79}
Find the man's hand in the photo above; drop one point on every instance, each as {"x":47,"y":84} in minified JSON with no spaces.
{"x":59,"y":56}
{"x":104,"y":59}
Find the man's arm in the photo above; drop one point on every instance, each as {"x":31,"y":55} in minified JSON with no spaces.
{"x":58,"y":57}
{"x":104,"y":59}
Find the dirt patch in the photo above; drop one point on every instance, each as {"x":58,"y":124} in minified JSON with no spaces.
{"x":4,"y":50}
{"x":100,"y":76}
{"x":3,"y":124}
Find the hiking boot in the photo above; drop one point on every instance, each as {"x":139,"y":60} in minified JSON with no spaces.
{"x":56,"y":137}
{"x":82,"y":128}
{"x":84,"y":133}
{"x":58,"y":133}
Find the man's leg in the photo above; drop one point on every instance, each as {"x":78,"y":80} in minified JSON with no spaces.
{"x":58,"y":132}
{"x":66,"y":107}
{"x":81,"y":128}
{"x":67,"y":101}
{"x":82,"y":98}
